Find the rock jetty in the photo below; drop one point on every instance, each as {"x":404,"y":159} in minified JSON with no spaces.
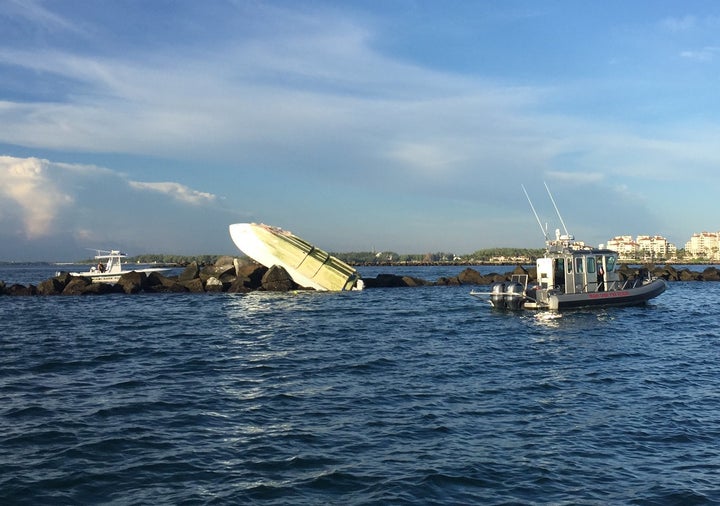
{"x":234,"y":275}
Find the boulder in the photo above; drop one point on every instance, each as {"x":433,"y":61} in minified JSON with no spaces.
{"x":20,"y":290}
{"x":225,"y":261}
{"x":224,"y":273}
{"x":52,"y":286}
{"x":214,"y":284}
{"x":194,"y":285}
{"x":253,"y":273}
{"x":471,"y":277}
{"x":240,"y":285}
{"x":76,"y":285}
{"x":192,"y":271}
{"x":133,"y":282}
{"x":157,"y":283}
{"x":385,"y":281}
{"x":276,"y":279}
{"x":687,"y":275}
{"x":411,"y":281}
{"x":101,"y":289}
{"x":711,"y":274}
{"x":445,"y":281}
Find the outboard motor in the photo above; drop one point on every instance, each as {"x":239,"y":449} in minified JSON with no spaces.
{"x":497,"y":295}
{"x":514,"y":298}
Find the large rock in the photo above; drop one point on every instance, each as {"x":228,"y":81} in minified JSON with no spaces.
{"x":711,"y":274}
{"x":213,"y":284}
{"x":157,"y":283}
{"x":192,"y":271}
{"x":252,"y":274}
{"x":445,"y":281}
{"x":385,"y":281}
{"x":687,"y":275}
{"x":471,"y":277}
{"x":225,"y":273}
{"x":240,"y":285}
{"x":225,"y":261}
{"x":76,"y":286}
{"x":194,"y":285}
{"x":101,"y":289}
{"x":276,"y":279}
{"x":52,"y":286}
{"x":20,"y":290}
{"x":411,"y":281}
{"x":133,"y":282}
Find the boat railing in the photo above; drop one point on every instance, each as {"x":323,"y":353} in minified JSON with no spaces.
{"x":625,"y":284}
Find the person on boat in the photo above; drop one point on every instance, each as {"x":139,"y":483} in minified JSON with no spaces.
{"x":101,"y":267}
{"x":600,"y":275}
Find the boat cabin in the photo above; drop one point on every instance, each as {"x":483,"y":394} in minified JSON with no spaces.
{"x":578,"y":271}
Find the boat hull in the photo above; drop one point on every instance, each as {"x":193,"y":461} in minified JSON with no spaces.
{"x":309,"y":266}
{"x":627,"y":297}
{"x":113,"y":277}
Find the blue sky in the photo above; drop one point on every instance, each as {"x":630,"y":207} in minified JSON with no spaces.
{"x":402,"y":125}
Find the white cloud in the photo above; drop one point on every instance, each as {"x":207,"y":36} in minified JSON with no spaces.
{"x":28,"y":190}
{"x":40,"y":198}
{"x":705,"y":54}
{"x":33,"y":12}
{"x":177,"y":191}
{"x":680,"y":24}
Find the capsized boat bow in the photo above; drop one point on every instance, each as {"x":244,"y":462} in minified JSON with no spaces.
{"x":309,"y":266}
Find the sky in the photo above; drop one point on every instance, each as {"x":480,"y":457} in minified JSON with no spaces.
{"x":398,"y":125}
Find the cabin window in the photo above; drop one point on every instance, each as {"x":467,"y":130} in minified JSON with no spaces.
{"x":559,"y":271}
{"x":579,"y":264}
{"x":591,"y":265}
{"x":610,"y":264}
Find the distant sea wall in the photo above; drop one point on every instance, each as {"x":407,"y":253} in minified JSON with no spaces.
{"x":232,"y":275}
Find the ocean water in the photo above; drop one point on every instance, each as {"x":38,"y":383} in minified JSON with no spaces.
{"x":418,"y":395}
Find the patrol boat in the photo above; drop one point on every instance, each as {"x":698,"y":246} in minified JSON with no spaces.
{"x":572,"y":275}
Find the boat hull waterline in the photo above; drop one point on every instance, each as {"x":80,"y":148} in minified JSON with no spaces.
{"x":309,"y":267}
{"x":631,"y":296}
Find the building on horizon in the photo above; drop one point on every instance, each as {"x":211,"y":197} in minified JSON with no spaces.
{"x":704,"y":245}
{"x":643,"y":247}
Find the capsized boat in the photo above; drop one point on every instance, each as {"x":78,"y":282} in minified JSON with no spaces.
{"x":308,"y":266}
{"x":573,"y":275}
{"x":110,"y":268}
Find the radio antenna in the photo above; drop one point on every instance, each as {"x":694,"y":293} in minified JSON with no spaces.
{"x":556,"y":209}
{"x":544,"y":231}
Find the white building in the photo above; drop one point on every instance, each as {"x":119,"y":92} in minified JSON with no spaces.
{"x":624,"y":245}
{"x":643,"y":247}
{"x":704,"y":245}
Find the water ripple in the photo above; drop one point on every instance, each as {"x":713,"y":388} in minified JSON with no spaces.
{"x":399,"y":396}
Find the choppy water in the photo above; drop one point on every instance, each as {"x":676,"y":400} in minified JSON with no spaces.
{"x":387,"y":396}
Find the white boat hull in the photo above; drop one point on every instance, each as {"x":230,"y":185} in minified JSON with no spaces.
{"x":308,"y":266}
{"x":113,"y":277}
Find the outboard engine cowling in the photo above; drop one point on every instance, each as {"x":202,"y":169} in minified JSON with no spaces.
{"x":514,"y":297}
{"x":497,"y":295}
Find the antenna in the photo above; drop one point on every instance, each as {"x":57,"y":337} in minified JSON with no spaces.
{"x":544,"y":232}
{"x":556,"y":209}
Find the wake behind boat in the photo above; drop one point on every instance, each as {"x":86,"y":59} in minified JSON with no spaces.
{"x":110,"y":268}
{"x":572,"y":275}
{"x":307,"y":265}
